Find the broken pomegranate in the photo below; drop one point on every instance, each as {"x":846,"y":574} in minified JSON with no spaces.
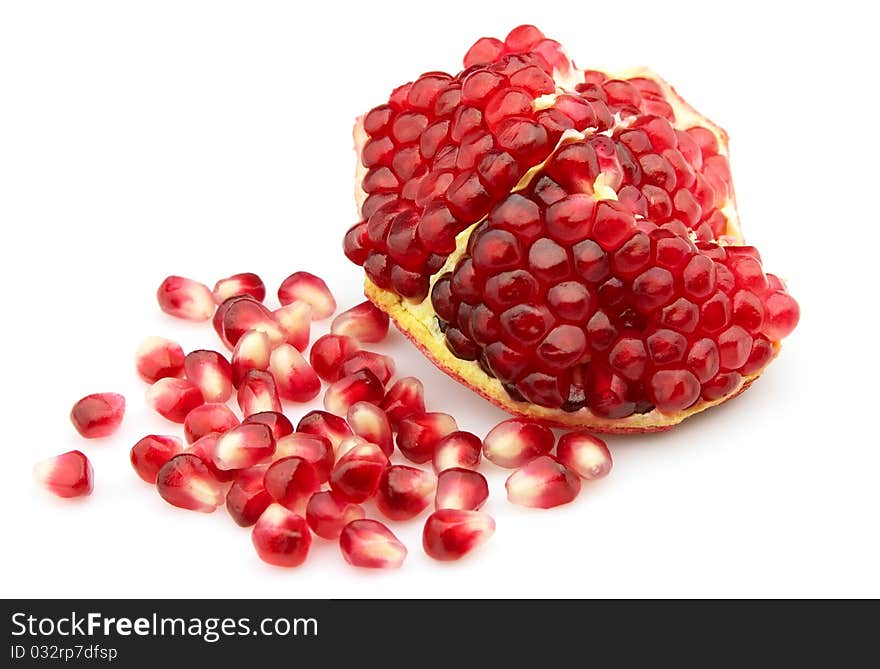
{"x":150,"y":453}
{"x":98,"y":415}
{"x":368,"y":543}
{"x":281,"y":538}
{"x":67,"y":475}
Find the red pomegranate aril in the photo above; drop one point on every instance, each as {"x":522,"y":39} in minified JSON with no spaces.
{"x":404,"y":492}
{"x":674,"y":390}
{"x":450,"y":534}
{"x":185,"y":298}
{"x":370,"y":544}
{"x":458,"y":449}
{"x":584,"y":454}
{"x":371,"y":424}
{"x":149,"y":454}
{"x":362,"y":386}
{"x":294,"y":378}
{"x":157,"y":358}
{"x":315,"y":450}
{"x":782,"y":314}
{"x":186,"y":482}
{"x":542,"y":483}
{"x":295,"y":321}
{"x":418,"y":435}
{"x":310,"y":289}
{"x":291,"y":482}
{"x":247,"y":498}
{"x":242,"y":314}
{"x":67,"y":475}
{"x":515,"y":441}
{"x":364,"y":322}
{"x":252,"y":351}
{"x":281,"y":537}
{"x":761,"y":354}
{"x":246,"y":283}
{"x":206,"y":419}
{"x":244,"y":446}
{"x":203,"y":449}
{"x":98,"y":415}
{"x":173,"y":398}
{"x":327,"y":425}
{"x":381,"y":365}
{"x":329,"y":352}
{"x":404,"y":398}
{"x":356,"y":475}
{"x":277,"y":422}
{"x":459,"y":488}
{"x":211,"y":373}
{"x":327,"y":514}
{"x":257,"y":393}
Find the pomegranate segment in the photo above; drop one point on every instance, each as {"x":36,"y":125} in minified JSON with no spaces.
{"x":450,"y":534}
{"x":404,"y":398}
{"x":67,"y":475}
{"x":542,"y":483}
{"x":258,"y":393}
{"x":246,"y":283}
{"x":404,"y":492}
{"x":277,"y":422}
{"x":291,"y":482}
{"x":364,"y":322}
{"x":322,"y":424}
{"x":295,"y":379}
{"x":206,"y":419}
{"x":371,"y":424}
{"x":459,"y":488}
{"x":584,"y":454}
{"x":185,"y":482}
{"x":185,"y":298}
{"x":362,"y":386}
{"x":174,"y":398}
{"x":157,"y":358}
{"x":512,"y":443}
{"x":252,"y":351}
{"x":211,"y":373}
{"x":327,"y":514}
{"x":243,"y":446}
{"x":457,"y":449}
{"x":150,"y":453}
{"x":419,"y":435}
{"x":310,"y":289}
{"x":312,"y":448}
{"x":98,"y":415}
{"x":281,"y":537}
{"x":295,"y":321}
{"x":329,"y":352}
{"x":247,"y":498}
{"x":370,"y":544}
{"x":356,"y":475}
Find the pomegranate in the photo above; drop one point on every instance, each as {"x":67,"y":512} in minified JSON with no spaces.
{"x":563,"y":241}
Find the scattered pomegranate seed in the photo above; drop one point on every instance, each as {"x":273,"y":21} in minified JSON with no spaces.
{"x":356,"y":474}
{"x":515,"y":441}
{"x":457,"y":449}
{"x":246,"y":283}
{"x":211,"y":373}
{"x":459,"y":488}
{"x":244,"y":446}
{"x":327,"y":514}
{"x":157,"y":358}
{"x":310,"y":289}
{"x":173,"y":398}
{"x":295,"y":379}
{"x":277,"y":422}
{"x":281,"y":537}
{"x":184,"y":481}
{"x":404,"y":492}
{"x":252,"y":351}
{"x":450,"y":534}
{"x":247,"y":498}
{"x":333,"y":428}
{"x":362,"y":386}
{"x":419,"y":435}
{"x":206,"y":419}
{"x":185,"y":298}
{"x":368,"y":543}
{"x":364,"y":322}
{"x":239,"y":315}
{"x":295,"y":321}
{"x":381,"y":365}
{"x":404,"y":398}
{"x":203,"y":449}
{"x":371,"y":424}
{"x":67,"y":475}
{"x":291,"y":482}
{"x":98,"y":415}
{"x":258,"y":393}
{"x":150,"y":453}
{"x":349,"y":443}
{"x":312,"y":448}
{"x":584,"y":454}
{"x":542,"y":483}
{"x":329,"y":352}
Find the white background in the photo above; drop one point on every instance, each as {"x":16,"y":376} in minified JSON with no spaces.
{"x":144,"y":139}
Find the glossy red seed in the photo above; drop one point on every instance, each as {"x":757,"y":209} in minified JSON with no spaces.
{"x":243,"y":446}
{"x":281,"y":538}
{"x":515,"y":441}
{"x":322,"y":424}
{"x":67,"y":475}
{"x":203,"y":449}
{"x":275,"y":421}
{"x":291,"y":482}
{"x":329,"y":352}
{"x":206,"y":419}
{"x":247,"y":499}
{"x":674,"y":389}
{"x":542,"y":483}
{"x":362,"y":386}
{"x":186,"y":482}
{"x":185,"y":298}
{"x":257,"y":393}
{"x":241,"y":314}
{"x":294,"y":378}
{"x":450,"y":534}
{"x":419,"y":434}
{"x":381,"y":365}
{"x":457,"y":449}
{"x":584,"y":454}
{"x":355,"y":477}
{"x":327,"y":514}
{"x":404,"y":398}
{"x":252,"y":351}
{"x":157,"y":358}
{"x":371,"y":424}
{"x":246,"y":283}
{"x":370,"y":544}
{"x":211,"y":373}
{"x":404,"y":492}
{"x":173,"y":398}
{"x":149,"y":454}
{"x":782,"y":315}
{"x":459,"y":488}
{"x":98,"y":415}
{"x":364,"y":322}
{"x":295,"y":321}
{"x":310,"y":289}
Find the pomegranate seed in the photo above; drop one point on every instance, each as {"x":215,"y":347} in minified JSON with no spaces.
{"x":365,"y":322}
{"x":185,"y":298}
{"x":211,"y":373}
{"x":246,"y":283}
{"x":404,"y":398}
{"x":362,"y":386}
{"x":247,"y":498}
{"x":371,"y":424}
{"x":356,"y":475}
{"x":450,"y":534}
{"x":243,"y":446}
{"x":381,"y":365}
{"x":368,"y":543}
{"x":404,"y":492}
{"x":98,"y":415}
{"x":291,"y":482}
{"x":242,"y":314}
{"x":281,"y":537}
{"x":312,"y":448}
{"x":173,"y":398}
{"x":296,"y":381}
{"x":584,"y":454}
{"x":327,"y":514}
{"x":277,"y":422}
{"x":333,"y":428}
{"x":459,"y":488}
{"x":514,"y":442}
{"x":67,"y":475}
{"x":329,"y":352}
{"x":184,"y":481}
{"x":157,"y":358}
{"x":252,"y":351}
{"x":782,"y":315}
{"x":203,"y":449}
{"x":258,"y":393}
{"x":542,"y":483}
{"x":295,"y":321}
{"x":150,"y":453}
{"x":418,"y":436}
{"x":310,"y":289}
{"x":206,"y":419}
{"x":457,"y":449}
